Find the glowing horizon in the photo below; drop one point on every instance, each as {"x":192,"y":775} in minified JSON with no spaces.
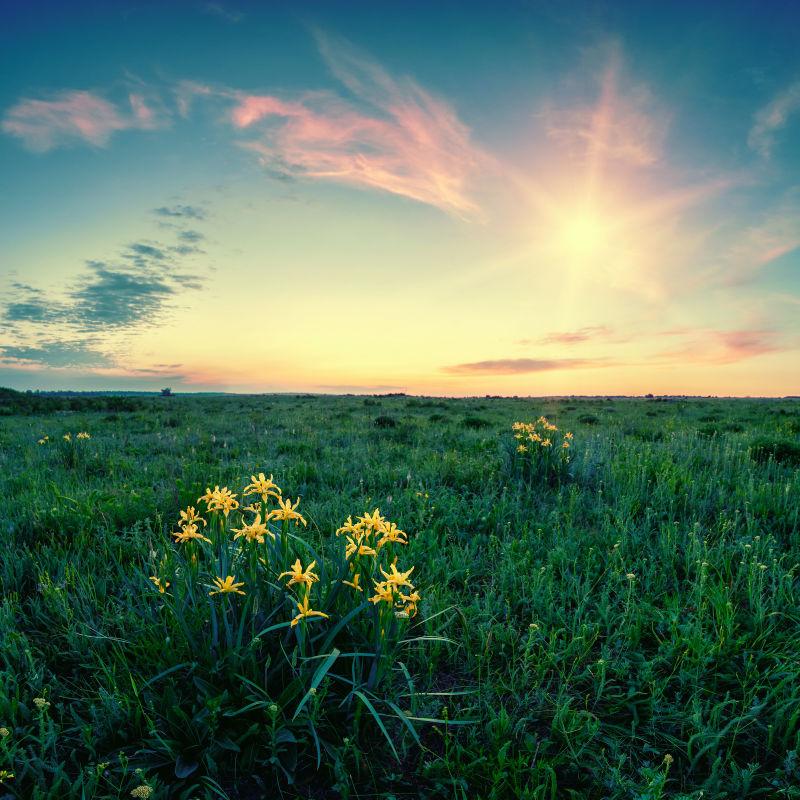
{"x":258,"y":201}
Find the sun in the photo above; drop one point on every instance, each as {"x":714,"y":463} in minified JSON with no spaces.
{"x":582,"y":234}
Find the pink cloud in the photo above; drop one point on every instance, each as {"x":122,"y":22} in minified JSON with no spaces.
{"x":75,"y":116}
{"x":518,"y":366}
{"x":623,"y":123}
{"x":589,"y":333}
{"x":724,"y":347}
{"x":772,"y":118}
{"x":392,"y":135}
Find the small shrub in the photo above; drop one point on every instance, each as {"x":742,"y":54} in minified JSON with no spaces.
{"x":588,"y":419}
{"x":385,"y":422}
{"x":782,"y":451}
{"x":475,"y":423}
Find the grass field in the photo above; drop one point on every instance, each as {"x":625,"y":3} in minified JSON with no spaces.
{"x":626,"y":627}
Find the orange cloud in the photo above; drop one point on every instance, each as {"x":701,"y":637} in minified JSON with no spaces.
{"x":724,"y":347}
{"x":75,"y":116}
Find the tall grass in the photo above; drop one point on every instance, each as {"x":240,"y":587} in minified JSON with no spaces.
{"x":627,"y":630}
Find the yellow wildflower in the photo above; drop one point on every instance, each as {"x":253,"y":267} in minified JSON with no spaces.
{"x":356,"y":528}
{"x":565,"y":445}
{"x":255,"y":531}
{"x":67,"y":437}
{"x":372,"y":522}
{"x":266,"y":487}
{"x":411,"y":601}
{"x":357,"y":548}
{"x":5,"y":775}
{"x":190,"y":516}
{"x":84,"y":435}
{"x":227,"y":586}
{"x":522,"y":449}
{"x":4,"y":732}
{"x":546,"y":443}
{"x":189,"y":532}
{"x":41,"y":703}
{"x":396,"y":578}
{"x":224,"y":500}
{"x":299,"y":575}
{"x":384,"y":592}
{"x":354,"y":583}
{"x":391,"y":533}
{"x":161,"y":584}
{"x":44,"y":440}
{"x":306,"y":611}
{"x":287,"y":511}
{"x":142,"y":792}
{"x":568,"y":435}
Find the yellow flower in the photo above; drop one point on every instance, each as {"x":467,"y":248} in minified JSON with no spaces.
{"x":568,"y":435}
{"x":84,"y":435}
{"x":44,"y":440}
{"x":189,"y":532}
{"x":298,"y":575}
{"x":5,"y":775}
{"x":546,"y":443}
{"x":522,"y":449}
{"x":359,"y":549}
{"x":190,"y":516}
{"x":565,"y":445}
{"x":411,"y":601}
{"x":161,"y":584}
{"x":391,"y":533}
{"x":287,"y":511}
{"x":4,"y":732}
{"x":396,"y":578}
{"x":227,"y":586}
{"x":534,"y":437}
{"x":41,"y":703}
{"x":354,"y":582}
{"x":67,"y":437}
{"x":266,"y":487}
{"x":142,"y":792}
{"x":224,"y":500}
{"x":255,"y":531}
{"x":306,"y":611}
{"x":630,"y":576}
{"x":356,"y":528}
{"x":384,"y":592}
{"x":372,"y":522}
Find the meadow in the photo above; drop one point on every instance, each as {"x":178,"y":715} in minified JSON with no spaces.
{"x":624,"y":624}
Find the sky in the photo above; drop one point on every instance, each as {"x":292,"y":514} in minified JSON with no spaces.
{"x":450,"y":198}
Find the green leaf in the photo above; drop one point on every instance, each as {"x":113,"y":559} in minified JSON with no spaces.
{"x":363,"y":698}
{"x":320,"y":673}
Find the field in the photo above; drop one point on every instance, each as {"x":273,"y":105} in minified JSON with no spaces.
{"x":627,"y":626}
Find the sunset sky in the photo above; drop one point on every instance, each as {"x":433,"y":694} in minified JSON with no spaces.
{"x":438,"y":198}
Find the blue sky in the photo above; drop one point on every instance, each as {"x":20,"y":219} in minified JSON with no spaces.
{"x":530,"y":197}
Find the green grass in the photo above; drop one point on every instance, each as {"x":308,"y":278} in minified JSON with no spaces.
{"x":642,"y":606}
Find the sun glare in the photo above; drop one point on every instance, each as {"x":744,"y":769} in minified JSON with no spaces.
{"x":582,"y":235}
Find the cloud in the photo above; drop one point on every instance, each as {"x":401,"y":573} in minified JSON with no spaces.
{"x":624,"y":123}
{"x":191,"y":236}
{"x":56,"y":354}
{"x":772,"y":118}
{"x":188,"y":212}
{"x":517,"y":366}
{"x":391,"y":135}
{"x":579,"y":336}
{"x":221,"y":11}
{"x":723,"y":347}
{"x":72,"y":117}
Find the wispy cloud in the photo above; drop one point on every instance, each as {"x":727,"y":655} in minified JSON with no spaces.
{"x":772,"y":118}
{"x":223,"y":12}
{"x":517,"y":366}
{"x":587,"y":334}
{"x":623,"y":123}
{"x":187,"y":212}
{"x":723,"y":346}
{"x":390,"y":135}
{"x":72,"y":117}
{"x":78,"y":353}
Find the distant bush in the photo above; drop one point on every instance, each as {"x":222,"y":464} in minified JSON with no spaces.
{"x":371,"y":401}
{"x":782,"y":451}
{"x":475,"y":423}
{"x":588,"y":419}
{"x":385,"y":422}
{"x":437,"y":417}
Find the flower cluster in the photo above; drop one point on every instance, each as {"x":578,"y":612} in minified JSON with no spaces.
{"x":67,"y":437}
{"x":366,"y":540}
{"x":542,"y":445}
{"x":231,"y":539}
